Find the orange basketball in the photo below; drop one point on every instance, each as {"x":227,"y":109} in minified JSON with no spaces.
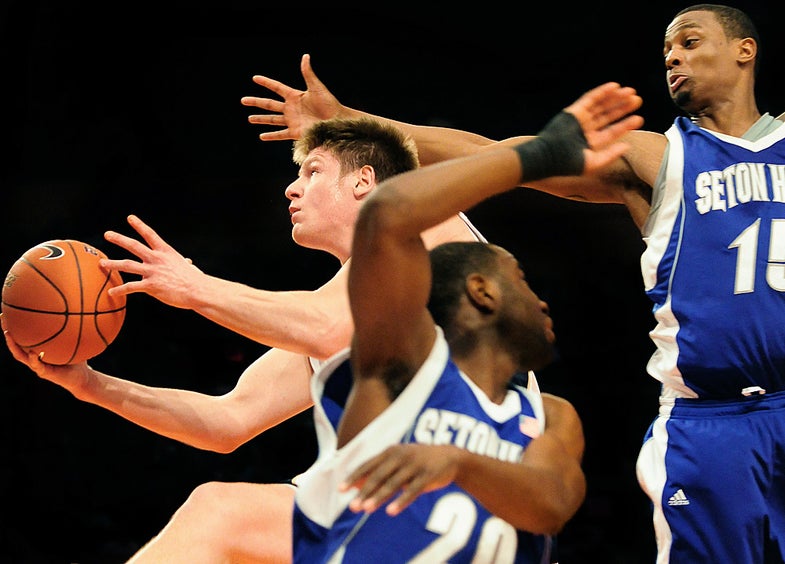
{"x":55,"y":301}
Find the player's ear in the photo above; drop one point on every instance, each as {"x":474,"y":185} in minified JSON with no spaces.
{"x":365,"y":181}
{"x":482,"y":292}
{"x":748,"y":49}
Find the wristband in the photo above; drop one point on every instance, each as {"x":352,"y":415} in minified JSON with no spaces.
{"x":557,"y":150}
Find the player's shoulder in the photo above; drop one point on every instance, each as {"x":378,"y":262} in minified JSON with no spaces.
{"x":645,"y":146}
{"x":642,"y":160}
{"x":558,"y":406}
{"x":646,"y":139}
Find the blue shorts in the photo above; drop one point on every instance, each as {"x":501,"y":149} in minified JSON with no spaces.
{"x":715,"y":473}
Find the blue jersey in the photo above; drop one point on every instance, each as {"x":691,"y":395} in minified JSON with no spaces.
{"x":439,"y":406}
{"x":714,"y":265}
{"x":712,"y":460}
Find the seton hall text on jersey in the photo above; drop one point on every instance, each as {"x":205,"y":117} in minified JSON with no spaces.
{"x":441,"y":427}
{"x":740,"y":183}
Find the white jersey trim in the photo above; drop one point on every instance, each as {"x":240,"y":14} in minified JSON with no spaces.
{"x":317,"y":494}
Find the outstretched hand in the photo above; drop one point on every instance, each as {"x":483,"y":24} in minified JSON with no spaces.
{"x":166,"y":274}
{"x":298,"y":110}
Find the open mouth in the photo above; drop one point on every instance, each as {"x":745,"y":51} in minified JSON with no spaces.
{"x":675,"y":81}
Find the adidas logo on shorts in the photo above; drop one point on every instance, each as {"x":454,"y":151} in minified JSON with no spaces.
{"x":678,"y":498}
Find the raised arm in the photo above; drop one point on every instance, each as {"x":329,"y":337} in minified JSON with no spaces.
{"x":389,"y":284}
{"x":625,"y":181}
{"x":315,"y":323}
{"x":387,"y":237}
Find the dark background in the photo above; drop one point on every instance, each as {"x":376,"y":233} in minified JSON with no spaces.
{"x":111,"y":109}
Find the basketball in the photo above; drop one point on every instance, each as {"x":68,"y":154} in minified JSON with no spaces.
{"x":55,"y":302}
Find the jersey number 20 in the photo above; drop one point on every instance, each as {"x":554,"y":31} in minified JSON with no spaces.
{"x":453,"y":518}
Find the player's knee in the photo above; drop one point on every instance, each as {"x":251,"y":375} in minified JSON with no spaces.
{"x":206,"y":503}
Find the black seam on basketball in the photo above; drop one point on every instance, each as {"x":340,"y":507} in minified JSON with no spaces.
{"x":51,"y":283}
{"x":78,"y":264}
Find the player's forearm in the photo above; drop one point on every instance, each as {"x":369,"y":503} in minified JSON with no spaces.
{"x":434,"y":144}
{"x":536,"y":499}
{"x":182,"y":415}
{"x":437,"y":144}
{"x":298,"y":321}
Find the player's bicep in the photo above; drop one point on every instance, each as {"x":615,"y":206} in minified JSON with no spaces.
{"x":272,"y":389}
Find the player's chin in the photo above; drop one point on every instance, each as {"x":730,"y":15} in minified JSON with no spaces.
{"x":547,"y":330}
{"x":299,"y":235}
{"x":307,"y":239}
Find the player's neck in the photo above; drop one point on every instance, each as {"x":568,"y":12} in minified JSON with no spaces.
{"x":728,"y":118}
{"x":489,"y":368}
